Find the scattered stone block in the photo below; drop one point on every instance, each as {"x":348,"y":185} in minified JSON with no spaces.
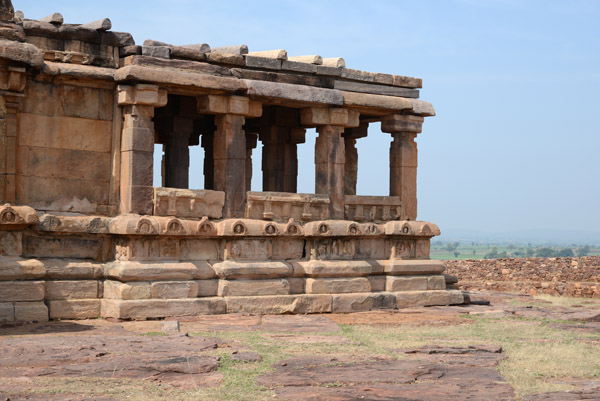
{"x":102,"y":24}
{"x":171,"y":326}
{"x":55,"y":18}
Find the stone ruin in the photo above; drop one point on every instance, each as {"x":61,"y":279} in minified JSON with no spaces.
{"x":83,"y":232}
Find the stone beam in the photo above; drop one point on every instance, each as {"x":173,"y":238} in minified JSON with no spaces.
{"x":221,"y":104}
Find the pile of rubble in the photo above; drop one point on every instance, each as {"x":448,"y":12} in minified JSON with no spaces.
{"x":577,"y":277}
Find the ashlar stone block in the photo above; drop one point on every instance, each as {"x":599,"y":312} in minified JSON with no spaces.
{"x":362,"y":302}
{"x":207,"y":288}
{"x":406,"y":283}
{"x":31,"y":312}
{"x":127,"y":291}
{"x":253,"y":287}
{"x":7,"y":312}
{"x":72,"y":289}
{"x":337,"y":285}
{"x":74,"y":309}
{"x":174,"y":289}
{"x":21,"y":291}
{"x":409,"y":299}
{"x":279,"y":304}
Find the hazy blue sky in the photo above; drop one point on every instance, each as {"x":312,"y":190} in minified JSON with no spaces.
{"x":516,"y":87}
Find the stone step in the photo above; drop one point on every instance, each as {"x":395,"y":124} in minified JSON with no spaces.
{"x":408,"y":299}
{"x":161,"y":308}
{"x":337,"y":285}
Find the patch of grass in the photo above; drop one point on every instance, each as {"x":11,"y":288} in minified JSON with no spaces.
{"x":154,"y":333}
{"x":568,"y":301}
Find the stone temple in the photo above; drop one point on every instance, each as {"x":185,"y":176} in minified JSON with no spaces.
{"x":84,"y":233}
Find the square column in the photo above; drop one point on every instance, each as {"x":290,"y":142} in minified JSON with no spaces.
{"x":229,"y":147}
{"x":351,"y":165}
{"x":137,"y":146}
{"x":251,"y":142}
{"x":330,"y":157}
{"x":404,"y":160}
{"x":176,"y":159}
{"x":12,"y":83}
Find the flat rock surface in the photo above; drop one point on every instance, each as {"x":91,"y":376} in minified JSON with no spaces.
{"x":293,"y":357}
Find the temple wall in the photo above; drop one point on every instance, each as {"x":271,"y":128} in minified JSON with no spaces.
{"x":64,"y":147}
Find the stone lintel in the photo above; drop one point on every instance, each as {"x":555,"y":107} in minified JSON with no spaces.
{"x":341,"y":117}
{"x":142,"y":94}
{"x":222,"y":104}
{"x":402,"y":123}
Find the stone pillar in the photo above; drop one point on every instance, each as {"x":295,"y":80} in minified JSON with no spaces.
{"x":280,"y":134}
{"x":229,"y":147}
{"x":351,"y":162}
{"x":404,"y":160}
{"x":251,"y":142}
{"x":176,"y":159}
{"x":12,"y":86}
{"x":137,"y":145}
{"x":330,"y":152}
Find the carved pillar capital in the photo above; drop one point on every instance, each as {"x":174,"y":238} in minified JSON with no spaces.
{"x":142,"y":94}
{"x":338,"y":116}
{"x":402,"y":123}
{"x":224,"y":104}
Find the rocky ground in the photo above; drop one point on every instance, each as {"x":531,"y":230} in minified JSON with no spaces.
{"x":574,"y":277}
{"x":517,"y":347}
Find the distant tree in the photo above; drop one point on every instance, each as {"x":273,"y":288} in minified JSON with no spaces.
{"x":544,"y":252}
{"x":492,"y":254}
{"x":511,"y":246}
{"x":474,"y":252}
{"x":565,"y":253}
{"x":473,"y":243}
{"x":456,"y":244}
{"x":530,"y":252}
{"x":450,"y":247}
{"x":584,"y":251}
{"x":456,"y":254}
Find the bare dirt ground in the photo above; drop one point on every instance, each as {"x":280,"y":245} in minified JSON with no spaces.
{"x":517,"y":347}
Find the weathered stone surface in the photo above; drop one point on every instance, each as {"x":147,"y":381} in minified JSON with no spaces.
{"x":436,"y":283}
{"x":271,"y":90}
{"x":11,"y":244}
{"x":239,"y":49}
{"x":31,"y":312}
{"x":198,"y":249}
{"x":63,"y":247}
{"x":362,"y":302}
{"x":65,"y":269}
{"x":279,"y":304}
{"x":55,"y":18}
{"x":127,"y":291}
{"x":21,"y":291}
{"x":312,"y":59}
{"x":156,"y":51}
{"x":7,"y":312}
{"x":137,"y":271}
{"x":332,"y":268}
{"x":226,"y":58}
{"x":252,"y":270}
{"x":253,"y":287}
{"x":179,"y":78}
{"x":74,"y":309}
{"x":18,"y":269}
{"x":277,"y":54}
{"x":158,"y":308}
{"x":22,"y":52}
{"x":208,"y":288}
{"x":406,"y":283}
{"x":376,"y":89}
{"x":366,"y":100}
{"x":428,"y":298}
{"x":174,"y":289}
{"x":337,"y":285}
{"x":413,"y":266}
{"x":73,"y":289}
{"x":78,"y":71}
{"x":102,"y":24}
